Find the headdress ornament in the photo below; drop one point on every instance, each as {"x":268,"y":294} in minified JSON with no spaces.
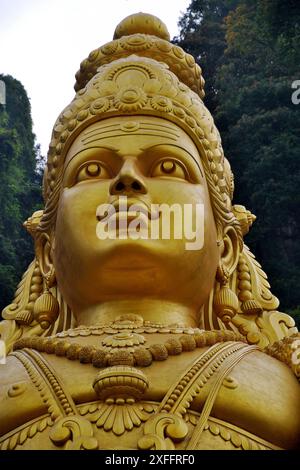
{"x":140,"y":72}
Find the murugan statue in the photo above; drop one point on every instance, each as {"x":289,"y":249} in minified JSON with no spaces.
{"x":123,"y":343}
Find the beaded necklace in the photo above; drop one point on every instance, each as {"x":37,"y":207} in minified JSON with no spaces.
{"x":131,"y":352}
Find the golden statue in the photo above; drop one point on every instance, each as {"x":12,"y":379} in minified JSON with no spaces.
{"x":141,"y":343}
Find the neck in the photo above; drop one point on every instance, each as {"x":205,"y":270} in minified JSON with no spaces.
{"x":157,"y":311}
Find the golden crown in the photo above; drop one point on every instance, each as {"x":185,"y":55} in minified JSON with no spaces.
{"x":140,"y":73}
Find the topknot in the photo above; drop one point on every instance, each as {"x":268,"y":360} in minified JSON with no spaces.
{"x":143,"y":23}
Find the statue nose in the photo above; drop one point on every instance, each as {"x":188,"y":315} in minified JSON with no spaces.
{"x":129,"y":180}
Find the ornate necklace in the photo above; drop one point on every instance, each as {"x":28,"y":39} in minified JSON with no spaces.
{"x":125,"y":346}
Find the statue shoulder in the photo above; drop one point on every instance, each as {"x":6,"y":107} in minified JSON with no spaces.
{"x":20,"y":400}
{"x":262,"y":395}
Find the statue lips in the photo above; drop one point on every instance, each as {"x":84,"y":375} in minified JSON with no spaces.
{"x":130,"y":209}
{"x":124,"y":211}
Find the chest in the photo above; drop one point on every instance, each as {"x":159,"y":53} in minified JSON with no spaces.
{"x":117,"y":407}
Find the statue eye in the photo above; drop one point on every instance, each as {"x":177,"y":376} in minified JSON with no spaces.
{"x":92,"y":170}
{"x":169,"y":167}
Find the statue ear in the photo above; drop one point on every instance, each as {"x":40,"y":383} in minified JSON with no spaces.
{"x":46,"y":307}
{"x":44,"y":252}
{"x":225,"y":300}
{"x":230,"y":250}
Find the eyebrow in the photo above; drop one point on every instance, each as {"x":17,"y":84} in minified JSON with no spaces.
{"x":143,"y":149}
{"x":104,"y":147}
{"x":145,"y":128}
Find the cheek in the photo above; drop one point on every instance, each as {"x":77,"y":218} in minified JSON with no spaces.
{"x":208,"y":255}
{"x":171,"y":192}
{"x":76,"y":216}
{"x":176,"y":192}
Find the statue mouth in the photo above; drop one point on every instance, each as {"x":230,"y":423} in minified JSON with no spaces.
{"x":129,"y":208}
{"x":133,"y":208}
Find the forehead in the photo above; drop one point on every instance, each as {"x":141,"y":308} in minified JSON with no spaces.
{"x":130,"y":134}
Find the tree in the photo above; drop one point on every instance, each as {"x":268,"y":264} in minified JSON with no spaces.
{"x":260,"y":128}
{"x":20,"y":186}
{"x":202,"y":34}
{"x":255,"y":61}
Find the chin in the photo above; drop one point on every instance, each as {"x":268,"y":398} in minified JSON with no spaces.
{"x":124,"y":273}
{"x":130,"y":254}
{"x":140,"y":252}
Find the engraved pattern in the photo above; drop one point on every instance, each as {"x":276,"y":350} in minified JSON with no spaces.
{"x":147,"y":46}
{"x":69,"y":428}
{"x":180,"y":397}
{"x":65,"y":401}
{"x":141,"y":356}
{"x":26,"y":432}
{"x":117,"y":415}
{"x":233,"y":358}
{"x":241,"y":439}
{"x":161,"y":431}
{"x":123,"y":340}
{"x":40,"y":384}
{"x":75,"y":432}
{"x":120,"y":382}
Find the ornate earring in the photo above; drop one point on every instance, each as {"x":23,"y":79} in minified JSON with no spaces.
{"x":249,"y":304}
{"x":225,"y":300}
{"x":46,"y":307}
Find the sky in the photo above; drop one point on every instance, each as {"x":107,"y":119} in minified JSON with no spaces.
{"x":42,"y":43}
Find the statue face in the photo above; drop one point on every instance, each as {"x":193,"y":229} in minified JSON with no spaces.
{"x":151,"y":161}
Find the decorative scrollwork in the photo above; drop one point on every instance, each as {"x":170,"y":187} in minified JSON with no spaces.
{"x":161,"y":431}
{"x":75,"y":432}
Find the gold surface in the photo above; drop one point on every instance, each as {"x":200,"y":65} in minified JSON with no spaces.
{"x":167,"y":347}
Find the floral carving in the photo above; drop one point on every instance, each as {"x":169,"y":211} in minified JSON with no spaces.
{"x":130,"y":99}
{"x":161,"y":103}
{"x":100,"y":106}
{"x":136,"y":42}
{"x":119,"y":415}
{"x":122,"y":340}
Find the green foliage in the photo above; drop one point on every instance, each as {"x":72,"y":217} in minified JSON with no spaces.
{"x":20,"y":186}
{"x":295,"y":313}
{"x":202,"y":34}
{"x":256,"y":56}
